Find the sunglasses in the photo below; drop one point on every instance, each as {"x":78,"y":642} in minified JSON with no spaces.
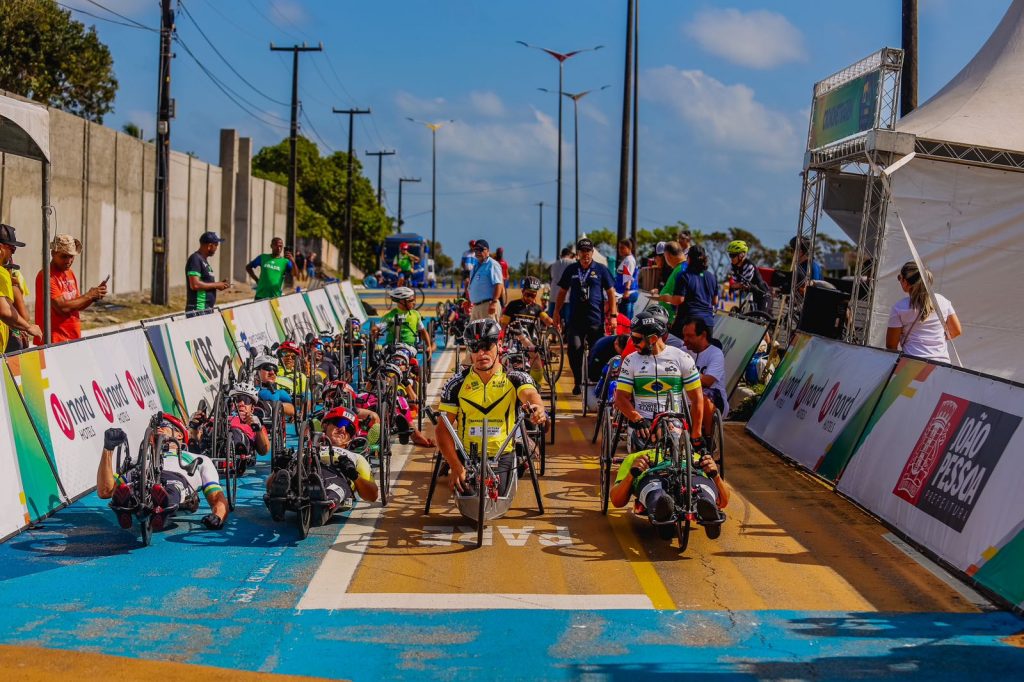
{"x":475,"y":346}
{"x":244,"y":400}
{"x":479,"y":250}
{"x":734,"y":255}
{"x":341,"y":423}
{"x":637,"y":340}
{"x":267,"y":368}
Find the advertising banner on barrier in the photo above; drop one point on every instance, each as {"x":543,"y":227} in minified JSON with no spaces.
{"x":294,"y":315}
{"x":190,"y":352}
{"x":940,"y":459}
{"x":341,"y":310}
{"x":353,"y":302}
{"x":75,"y":391}
{"x":319,"y":304}
{"x":817,"y":404}
{"x":740,"y":339}
{"x":28,"y":485}
{"x":253,"y":326}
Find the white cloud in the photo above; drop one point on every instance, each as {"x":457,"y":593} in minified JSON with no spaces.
{"x":759,"y":39}
{"x":486,"y":103}
{"x":502,"y":146}
{"x":417,"y":107}
{"x":287,"y":12}
{"x":728,"y":115}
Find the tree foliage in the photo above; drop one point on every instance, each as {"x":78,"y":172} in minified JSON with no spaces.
{"x":51,"y":58}
{"x":320,"y":209}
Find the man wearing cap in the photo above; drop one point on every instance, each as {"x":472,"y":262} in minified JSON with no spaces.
{"x":10,"y":318}
{"x":202,"y":285}
{"x":590,"y":289}
{"x":486,"y":284}
{"x":66,"y":301}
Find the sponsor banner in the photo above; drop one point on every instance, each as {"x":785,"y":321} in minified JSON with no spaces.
{"x":817,"y":404}
{"x":253,"y":326}
{"x":940,"y":460}
{"x":341,"y":310}
{"x":190,"y":352}
{"x":355,"y":306}
{"x":319,"y":304}
{"x":74,"y":392}
{"x":740,"y":339}
{"x":848,"y":110}
{"x":294,"y":315}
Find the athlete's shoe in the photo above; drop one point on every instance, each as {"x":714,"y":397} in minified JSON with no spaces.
{"x":661,"y":510}
{"x":124,"y":501}
{"x":277,"y":495}
{"x":160,"y":499}
{"x":708,"y":512}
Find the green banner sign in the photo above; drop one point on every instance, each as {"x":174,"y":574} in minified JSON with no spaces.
{"x":849,"y":109}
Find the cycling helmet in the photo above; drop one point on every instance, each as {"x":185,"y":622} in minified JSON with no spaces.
{"x":737,"y":246}
{"x":530,"y":284}
{"x":244,"y":388}
{"x":170,"y":421}
{"x":344,"y":418}
{"x":651,"y":322}
{"x":403,"y":246}
{"x":402,"y":294}
{"x":406,"y":349}
{"x":264,"y":360}
{"x":289,"y":347}
{"x":481,"y":330}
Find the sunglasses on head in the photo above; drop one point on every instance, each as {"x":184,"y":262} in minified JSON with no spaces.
{"x":475,"y":346}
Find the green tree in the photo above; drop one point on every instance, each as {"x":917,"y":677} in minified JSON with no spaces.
{"x":53,"y":59}
{"x":132,"y":129}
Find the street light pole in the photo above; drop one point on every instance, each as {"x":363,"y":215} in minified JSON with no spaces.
{"x":380,"y":164}
{"x":561,"y":57}
{"x":434,"y":127}
{"x":400,"y":182}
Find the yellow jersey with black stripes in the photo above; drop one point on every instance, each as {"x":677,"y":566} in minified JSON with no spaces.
{"x":472,"y":400}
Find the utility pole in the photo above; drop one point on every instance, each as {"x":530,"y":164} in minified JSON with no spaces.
{"x":290,"y":238}
{"x":627,"y":91}
{"x":540,"y":234}
{"x":380,"y":162}
{"x":400,"y":182}
{"x":346,"y":268}
{"x":164,"y":113}
{"x":636,"y":118}
{"x":908,"y":81}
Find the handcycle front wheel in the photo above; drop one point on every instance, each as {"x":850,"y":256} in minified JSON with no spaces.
{"x":607,"y":453}
{"x":303,"y":504}
{"x":717,"y":444}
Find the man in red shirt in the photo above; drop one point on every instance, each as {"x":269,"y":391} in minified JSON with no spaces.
{"x":66,"y":302}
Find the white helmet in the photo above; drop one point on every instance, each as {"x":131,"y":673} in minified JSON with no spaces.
{"x":265,"y":359}
{"x":402,"y":294}
{"x":244,"y":388}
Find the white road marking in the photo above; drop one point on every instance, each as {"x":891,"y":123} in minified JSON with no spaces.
{"x":418,"y":601}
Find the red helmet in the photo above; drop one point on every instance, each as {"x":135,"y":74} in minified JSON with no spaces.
{"x":289,"y":347}
{"x":344,"y":418}
{"x":167,"y":419}
{"x":403,"y":246}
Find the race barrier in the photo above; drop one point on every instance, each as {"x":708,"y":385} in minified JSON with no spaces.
{"x":355,"y":306}
{"x":294,"y":315}
{"x":253,"y":326}
{"x":941,"y":460}
{"x":740,"y":339}
{"x":73,"y":392}
{"x":819,"y":400}
{"x":319,"y":303}
{"x":190,"y":351}
{"x":341,"y":309}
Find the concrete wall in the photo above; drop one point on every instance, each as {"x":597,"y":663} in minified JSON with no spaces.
{"x":102,"y":193}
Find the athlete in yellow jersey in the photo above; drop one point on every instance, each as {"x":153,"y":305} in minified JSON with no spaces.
{"x":483,"y":391}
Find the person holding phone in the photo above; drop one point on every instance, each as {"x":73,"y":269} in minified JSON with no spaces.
{"x":66,"y":301}
{"x":201,"y":296}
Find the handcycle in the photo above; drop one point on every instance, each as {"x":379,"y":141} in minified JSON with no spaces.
{"x":516,"y":358}
{"x":306,"y":490}
{"x":143,"y":474}
{"x":486,"y":501}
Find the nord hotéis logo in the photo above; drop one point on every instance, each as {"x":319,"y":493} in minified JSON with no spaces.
{"x":73,"y":415}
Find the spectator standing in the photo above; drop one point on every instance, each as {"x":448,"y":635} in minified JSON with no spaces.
{"x":300,"y":266}
{"x":663,"y":263}
{"x":672,"y":259}
{"x":695,"y":293}
{"x":19,"y":289}
{"x":201,"y":295}
{"x":685,"y":240}
{"x":468,"y":263}
{"x":565,"y":259}
{"x":803,"y":257}
{"x":590,"y":289}
{"x":625,"y":278}
{"x":66,"y":302}
{"x":273,"y":267}
{"x":914,"y":326}
{"x":499,"y":255}
{"x":485,"y":284}
{"x":312,"y":264}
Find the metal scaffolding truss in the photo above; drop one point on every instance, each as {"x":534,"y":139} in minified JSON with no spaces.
{"x":976,"y":156}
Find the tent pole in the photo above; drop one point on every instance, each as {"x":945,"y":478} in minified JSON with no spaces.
{"x":41,"y":297}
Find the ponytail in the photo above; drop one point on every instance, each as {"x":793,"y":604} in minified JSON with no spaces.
{"x":919,"y":298}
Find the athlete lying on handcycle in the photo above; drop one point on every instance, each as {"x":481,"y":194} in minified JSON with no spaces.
{"x":266,"y":367}
{"x":246,"y":432}
{"x":177,"y":488}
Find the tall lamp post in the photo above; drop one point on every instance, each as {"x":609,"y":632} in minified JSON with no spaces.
{"x":401,"y":181}
{"x":576,"y":97}
{"x":561,"y":57}
{"x":434,"y":127}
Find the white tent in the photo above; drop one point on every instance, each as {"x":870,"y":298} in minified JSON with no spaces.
{"x":962,"y":200}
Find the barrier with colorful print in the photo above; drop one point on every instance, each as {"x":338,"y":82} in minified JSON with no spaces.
{"x":740,"y":339}
{"x":296,"y":319}
{"x":319,"y":303}
{"x":253,"y":326}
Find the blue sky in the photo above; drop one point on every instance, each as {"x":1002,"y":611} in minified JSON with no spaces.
{"x":725,"y":96}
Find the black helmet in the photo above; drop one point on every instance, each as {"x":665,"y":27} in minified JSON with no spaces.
{"x":530,"y":284}
{"x":477,"y":331}
{"x":650,"y":322}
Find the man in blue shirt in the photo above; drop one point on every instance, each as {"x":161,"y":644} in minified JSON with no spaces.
{"x":590,"y":289}
{"x":266,"y":382}
{"x":486,"y":283}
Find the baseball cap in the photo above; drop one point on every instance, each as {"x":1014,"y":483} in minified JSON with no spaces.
{"x":7,"y":236}
{"x":659,"y":248}
{"x":65,"y":243}
{"x":481,"y":244}
{"x":210,"y":238}
{"x":585,"y":245}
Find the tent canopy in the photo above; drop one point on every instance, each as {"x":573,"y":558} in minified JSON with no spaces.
{"x":24,"y":129}
{"x":981,"y":106}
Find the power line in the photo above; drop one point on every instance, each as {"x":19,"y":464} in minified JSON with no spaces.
{"x":486,"y":191}
{"x":109,"y":21}
{"x":212,"y":4}
{"x":316,"y":134}
{"x":224,"y":59}
{"x":270,"y":21}
{"x":128,"y":19}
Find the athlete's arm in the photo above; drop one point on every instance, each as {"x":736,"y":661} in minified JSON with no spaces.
{"x":105,"y":476}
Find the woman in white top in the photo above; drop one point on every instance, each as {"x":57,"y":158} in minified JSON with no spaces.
{"x":914,"y":327}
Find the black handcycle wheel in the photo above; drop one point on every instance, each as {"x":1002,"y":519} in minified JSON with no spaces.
{"x":607,"y":453}
{"x":553,"y":419}
{"x":683,"y":532}
{"x":303,"y":506}
{"x":146,"y":479}
{"x":541,"y":440}
{"x":482,"y":496}
{"x":718,"y":442}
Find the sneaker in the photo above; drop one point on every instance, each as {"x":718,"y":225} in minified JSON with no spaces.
{"x":576,"y":390}
{"x":277,"y":494}
{"x":123,"y":499}
{"x":160,"y":499}
{"x":708,"y":513}
{"x":663,"y":507}
{"x":403,"y":429}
